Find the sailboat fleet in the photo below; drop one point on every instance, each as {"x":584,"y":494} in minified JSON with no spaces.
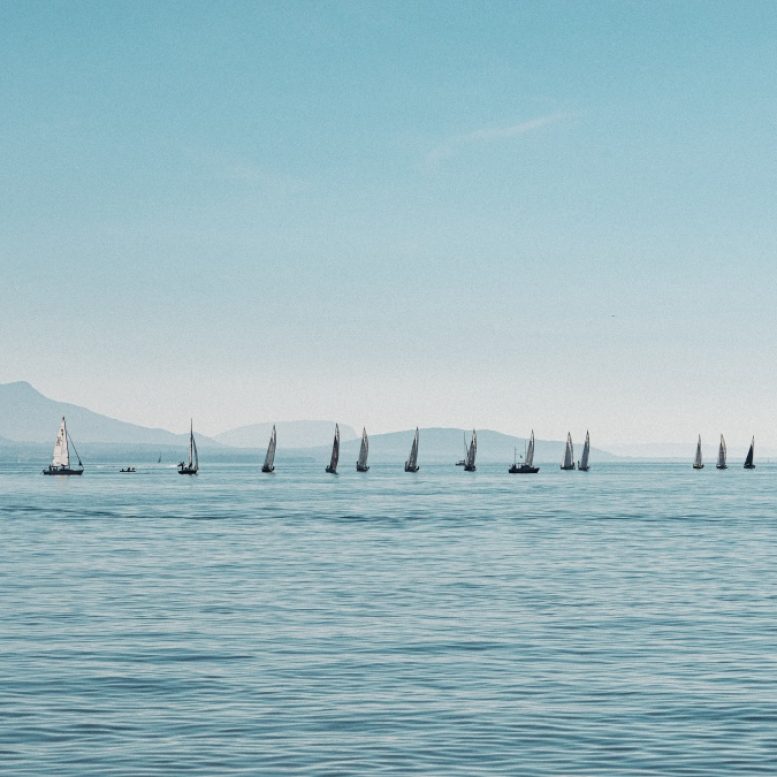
{"x":61,"y":459}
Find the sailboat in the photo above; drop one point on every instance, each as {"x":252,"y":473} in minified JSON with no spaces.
{"x":697,"y":461}
{"x":159,"y":460}
{"x":721,"y":455}
{"x":569,"y":454}
{"x":332,"y":466}
{"x":364,"y":451}
{"x":527,"y":467}
{"x":60,"y":460}
{"x":582,"y":465}
{"x":411,"y":465}
{"x":749,"y":459}
{"x":269,"y":458}
{"x":472,"y":451}
{"x":190,"y":467}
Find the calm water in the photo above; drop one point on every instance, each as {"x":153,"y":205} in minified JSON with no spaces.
{"x":621,"y":622}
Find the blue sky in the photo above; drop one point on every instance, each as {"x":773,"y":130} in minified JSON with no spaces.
{"x":548,"y":215}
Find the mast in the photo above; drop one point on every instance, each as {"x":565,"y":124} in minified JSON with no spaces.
{"x":529,"y":458}
{"x":194,"y":461}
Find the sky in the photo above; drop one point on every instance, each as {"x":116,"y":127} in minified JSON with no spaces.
{"x":556,"y":215}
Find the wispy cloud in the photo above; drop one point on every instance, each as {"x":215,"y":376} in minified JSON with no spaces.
{"x":448,"y":147}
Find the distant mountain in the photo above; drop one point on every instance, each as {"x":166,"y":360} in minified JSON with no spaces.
{"x":291,"y":434}
{"x":443,"y":446}
{"x":28,"y":416}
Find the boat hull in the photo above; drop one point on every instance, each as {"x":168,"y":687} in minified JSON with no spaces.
{"x":567,"y":469}
{"x":471,"y":468}
{"x":523,"y":469}
{"x":265,"y":468}
{"x":698,"y":466}
{"x":582,"y":469}
{"x":749,"y":466}
{"x":331,"y":470}
{"x":408,"y":468}
{"x":362,"y":468}
{"x":187,"y":471}
{"x":721,"y":466}
{"x":62,"y":471}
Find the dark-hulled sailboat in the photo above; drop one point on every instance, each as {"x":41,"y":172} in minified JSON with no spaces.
{"x":269,"y":458}
{"x":526,"y":467}
{"x":411,"y":465}
{"x":569,"y":454}
{"x":750,"y":453}
{"x":472,"y":452}
{"x":331,"y":468}
{"x":583,"y":465}
{"x":722,"y":453}
{"x":193,"y":465}
{"x":60,"y":460}
{"x":364,"y":452}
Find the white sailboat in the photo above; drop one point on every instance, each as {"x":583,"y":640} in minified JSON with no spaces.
{"x":582,"y":465}
{"x":335,"y":457}
{"x":527,"y":467}
{"x":569,"y":454}
{"x":364,"y":452}
{"x":192,"y":466}
{"x":411,"y":465}
{"x":60,"y":460}
{"x":697,"y":460}
{"x":269,"y":458}
{"x":472,"y":451}
{"x":721,"y":464}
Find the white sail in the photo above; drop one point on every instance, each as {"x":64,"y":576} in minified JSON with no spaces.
{"x":412,"y":459}
{"x":364,"y":450}
{"x":722,"y":453}
{"x":697,"y":461}
{"x":586,"y":451}
{"x":472,"y":451}
{"x":569,"y":453}
{"x":530,"y":451}
{"x":194,"y":461}
{"x":269,"y":458}
{"x":61,"y":456}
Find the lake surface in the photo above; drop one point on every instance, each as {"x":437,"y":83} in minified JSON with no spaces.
{"x":619,"y":622}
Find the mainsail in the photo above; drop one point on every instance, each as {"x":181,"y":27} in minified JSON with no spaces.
{"x":569,"y":454}
{"x":721,"y":454}
{"x":469,"y":462}
{"x":411,"y":465}
{"x":749,"y":459}
{"x":529,"y":458}
{"x":586,"y":451}
{"x":697,"y":461}
{"x":61,"y":457}
{"x":335,"y":451}
{"x":364,"y":452}
{"x":269,"y":459}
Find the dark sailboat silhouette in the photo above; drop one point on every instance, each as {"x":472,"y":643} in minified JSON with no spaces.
{"x":722,"y":452}
{"x":526,"y":467}
{"x":269,"y":458}
{"x":411,"y":465}
{"x":569,"y":454}
{"x":582,"y":465}
{"x":332,"y":466}
{"x":469,"y":462}
{"x":750,"y":452}
{"x":193,"y":465}
{"x":60,"y":460}
{"x":697,"y":460}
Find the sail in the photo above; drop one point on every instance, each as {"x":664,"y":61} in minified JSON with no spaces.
{"x":750,"y":453}
{"x":61,"y":456}
{"x":722,"y":452}
{"x":697,"y":462}
{"x":586,"y":451}
{"x":472,"y":450}
{"x":364,"y":449}
{"x":335,"y":449}
{"x":269,"y":458}
{"x":194,"y":462}
{"x":530,"y":451}
{"x":412,"y":459}
{"x":569,"y":453}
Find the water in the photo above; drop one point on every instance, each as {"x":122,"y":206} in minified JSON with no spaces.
{"x":617,"y":622}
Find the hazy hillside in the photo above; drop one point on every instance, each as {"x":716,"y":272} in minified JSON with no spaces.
{"x":440,"y":446}
{"x":28,"y":416}
{"x":291,"y":434}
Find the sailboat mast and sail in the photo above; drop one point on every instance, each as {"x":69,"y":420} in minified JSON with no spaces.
{"x":192,"y":466}
{"x":569,"y":454}
{"x":411,"y":465}
{"x":469,"y":462}
{"x":697,"y":461}
{"x":583,"y":463}
{"x":269,"y":458}
{"x":529,"y":457}
{"x":364,"y":452}
{"x":722,"y":454}
{"x":60,"y":457}
{"x":750,"y":453}
{"x":334,"y":458}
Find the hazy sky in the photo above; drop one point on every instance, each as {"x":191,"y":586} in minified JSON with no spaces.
{"x":508,"y":215}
